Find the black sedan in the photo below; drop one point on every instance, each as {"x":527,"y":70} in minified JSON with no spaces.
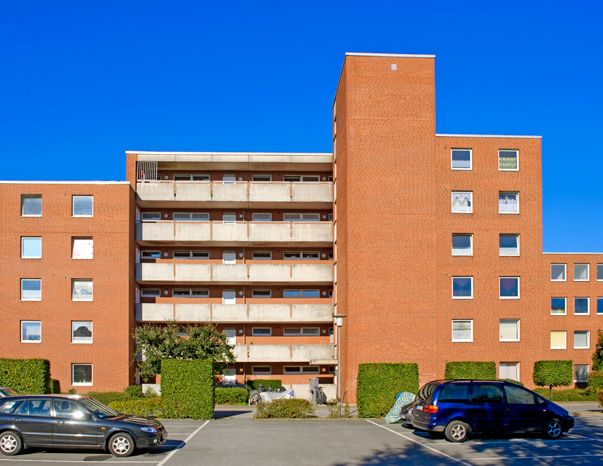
{"x":72,"y":421}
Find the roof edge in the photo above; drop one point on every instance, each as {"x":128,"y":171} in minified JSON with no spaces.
{"x":517,"y":136}
{"x":574,"y":253}
{"x":60,"y":182}
{"x":399,"y":55}
{"x":144,"y":152}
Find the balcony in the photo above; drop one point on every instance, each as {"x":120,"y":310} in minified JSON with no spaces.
{"x":314,"y":354}
{"x":241,"y":233}
{"x":218,"y":194}
{"x":273,"y":272}
{"x":235,"y":313}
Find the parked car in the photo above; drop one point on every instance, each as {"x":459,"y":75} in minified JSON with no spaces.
{"x":72,"y":421}
{"x":459,"y":408}
{"x":5,"y":391}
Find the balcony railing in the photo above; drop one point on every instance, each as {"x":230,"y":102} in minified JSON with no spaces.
{"x":215,"y":272}
{"x":233,"y":233}
{"x":240,"y":191}
{"x":323,"y":354}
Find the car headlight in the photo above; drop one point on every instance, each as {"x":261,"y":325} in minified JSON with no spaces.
{"x":149,"y":430}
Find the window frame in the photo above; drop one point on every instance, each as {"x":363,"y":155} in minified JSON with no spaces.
{"x":82,"y":384}
{"x":452,"y":286}
{"x":150,"y":251}
{"x":600,"y":272}
{"x":73,"y":196}
{"x":587,"y":279}
{"x":564,"y":332}
{"x":150,"y":220}
{"x":564,"y":313}
{"x":470,"y":235}
{"x":21,"y":340}
{"x":39,"y":280}
{"x":516,"y":235}
{"x":23,"y":239}
{"x":253,"y":291}
{"x":73,"y":281}
{"x":587,"y":313}
{"x":564,"y":279}
{"x":191,"y":292}
{"x":452,"y":167}
{"x":517,"y":364}
{"x":254,"y":370}
{"x":254,"y":329}
{"x":518,"y":287}
{"x":508,"y":169}
{"x":290,"y":370}
{"x":143,"y":292}
{"x":517,"y":326}
{"x":32,"y":196}
{"x":287,"y":331}
{"x":599,"y":308}
{"x":253,"y":256}
{"x":266,"y":220}
{"x":82,"y":342}
{"x":266,"y":175}
{"x":587,"y":347}
{"x":452,"y":193}
{"x":303,"y":290}
{"x":81,"y":238}
{"x":574,"y":373}
{"x":452,"y":339}
{"x":518,"y":205}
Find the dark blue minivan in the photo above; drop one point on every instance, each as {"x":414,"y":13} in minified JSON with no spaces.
{"x":461,"y":407}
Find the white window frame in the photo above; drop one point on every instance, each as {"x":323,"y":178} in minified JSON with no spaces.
{"x":301,"y":178}
{"x":82,"y":238}
{"x":31,"y":299}
{"x":564,"y":313}
{"x":287,"y":332}
{"x":587,"y":306}
{"x":470,"y":211}
{"x":509,"y":363}
{"x":30,"y":322}
{"x":302,"y":217}
{"x":253,"y":291}
{"x":254,"y":370}
{"x":82,"y":342}
{"x":470,"y":340}
{"x":470,"y":235}
{"x":587,"y":279}
{"x":149,"y":217}
{"x":452,"y":287}
{"x":232,"y":292}
{"x":269,"y":258}
{"x":73,"y":280}
{"x":564,"y":279}
{"x":82,"y":384}
{"x":518,"y":288}
{"x":518,"y":236}
{"x":452,"y":167}
{"x":73,"y":205}
{"x":508,"y":169}
{"x":299,"y":370}
{"x":254,"y":329}
{"x":518,"y":205}
{"x":300,"y":255}
{"x":265,"y":175}
{"x":190,"y":292}
{"x":564,"y":347}
{"x":23,"y":238}
{"x":587,"y":347}
{"x":600,"y":275}
{"x":255,"y":217}
{"x":202,"y":177}
{"x":191,"y":217}
{"x":227,"y":215}
{"x":150,"y":251}
{"x":150,"y":292}
{"x":518,"y":326}
{"x":32,"y":196}
{"x":599,"y":311}
{"x":587,"y":373}
{"x":229,"y":257}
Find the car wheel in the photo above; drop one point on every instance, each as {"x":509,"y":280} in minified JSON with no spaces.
{"x":456,"y":431}
{"x":10,"y":443}
{"x":121,"y":444}
{"x":552,"y":429}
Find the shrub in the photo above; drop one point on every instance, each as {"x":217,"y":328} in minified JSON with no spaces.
{"x":133,"y":391}
{"x":25,"y":375}
{"x":289,"y":409}
{"x":479,"y":370}
{"x":571,"y":394}
{"x":108,"y":397}
{"x":553,"y":374}
{"x":379,"y":383}
{"x":338,"y":410}
{"x":600,"y":396}
{"x":150,"y":406}
{"x":231,"y":396}
{"x":254,"y":384}
{"x":595,"y":380}
{"x":187,"y":388}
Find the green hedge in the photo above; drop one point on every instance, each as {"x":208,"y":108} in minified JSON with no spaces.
{"x":570,"y":394}
{"x":379,"y":383}
{"x":149,"y":406}
{"x":254,"y":384}
{"x":289,"y":409}
{"x":553,"y":373}
{"x":187,"y":388}
{"x":477,"y":370}
{"x":595,"y":380}
{"x":25,"y":375}
{"x":231,"y":396}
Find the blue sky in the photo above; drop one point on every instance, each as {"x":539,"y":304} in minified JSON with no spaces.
{"x":82,"y":81}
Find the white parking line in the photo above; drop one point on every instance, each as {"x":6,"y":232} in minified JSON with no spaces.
{"x":427,"y":447}
{"x":186,"y":440}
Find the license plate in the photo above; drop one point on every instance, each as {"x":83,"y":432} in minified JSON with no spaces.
{"x":419,"y":408}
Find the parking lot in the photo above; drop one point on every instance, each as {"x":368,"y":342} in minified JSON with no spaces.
{"x":237,"y":439}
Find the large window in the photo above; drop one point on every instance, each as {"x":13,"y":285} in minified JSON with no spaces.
{"x":191,"y":217}
{"x":301,"y":293}
{"x":599,"y":272}
{"x":191,"y":177}
{"x":261,"y":370}
{"x":558,"y":306}
{"x":301,"y":178}
{"x":558,"y":339}
{"x":508,"y":244}
{"x":81,"y":331}
{"x":462,"y":202}
{"x":301,"y":369}
{"x":301,"y":217}
{"x":31,"y":289}
{"x":190,"y":254}
{"x":261,"y":331}
{"x":82,"y":206}
{"x":462,"y":331}
{"x":581,"y":306}
{"x":31,"y":247}
{"x":301,"y":331}
{"x":462,"y":244}
{"x":462,"y":287}
{"x":150,"y":216}
{"x":301,"y":255}
{"x":261,"y":255}
{"x":599,"y":305}
{"x":581,"y":373}
{"x":261,"y":293}
{"x":508,"y":203}
{"x":509,"y":287}
{"x":82,"y":248}
{"x":508,"y":160}
{"x":264,"y":177}
{"x":558,"y":272}
{"x":581,"y":272}
{"x":31,"y":331}
{"x":31,"y":205}
{"x":81,"y":289}
{"x":190,"y":293}
{"x":509,"y":330}
{"x":508,"y":370}
{"x":461,"y":159}
{"x":81,"y":374}
{"x":261,"y":217}
{"x":581,"y":339}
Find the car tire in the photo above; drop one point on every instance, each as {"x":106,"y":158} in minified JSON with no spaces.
{"x":552,"y":429}
{"x":10,"y":443}
{"x":121,"y":445}
{"x":457,"y":431}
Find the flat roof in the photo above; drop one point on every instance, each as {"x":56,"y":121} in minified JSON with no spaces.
{"x":144,"y":152}
{"x":61,"y":182}
{"x":574,"y":253}
{"x":399,"y":55}
{"x":520,"y":136}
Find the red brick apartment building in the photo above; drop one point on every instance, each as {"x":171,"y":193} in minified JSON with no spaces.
{"x":401,"y":245}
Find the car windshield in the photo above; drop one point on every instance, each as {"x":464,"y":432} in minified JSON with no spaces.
{"x":97,"y":408}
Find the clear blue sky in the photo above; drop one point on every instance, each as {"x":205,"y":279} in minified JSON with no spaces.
{"x":82,"y":81}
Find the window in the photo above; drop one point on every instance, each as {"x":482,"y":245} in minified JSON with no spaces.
{"x":31,"y":289}
{"x":82,"y":248}
{"x":461,"y":159}
{"x":509,"y":330}
{"x":581,"y":306}
{"x":81,"y":290}
{"x":261,"y":293}
{"x":31,"y":205}
{"x":486,"y":393}
{"x":581,"y":272}
{"x":301,"y":331}
{"x":462,"y":244}
{"x":261,"y":177}
{"x":31,"y":331}
{"x":599,"y":305}
{"x":508,"y":160}
{"x":300,"y":178}
{"x":558,"y":306}
{"x":519,"y":396}
{"x":508,"y":203}
{"x":462,"y":287}
{"x":294,"y":217}
{"x":229,"y":178}
{"x":508,"y":370}
{"x":190,"y":293}
{"x":581,"y":373}
{"x":599,"y":272}
{"x":34,"y":407}
{"x":81,"y":374}
{"x":66,"y":409}
{"x":151,"y":292}
{"x":229,"y":297}
{"x":191,"y":217}
{"x":581,"y":339}
{"x":301,"y":370}
{"x":261,"y":370}
{"x":301,"y":293}
{"x":261,"y":255}
{"x":82,"y":206}
{"x":509,"y":288}
{"x":301,"y":255}
{"x":454,"y":393}
{"x":229,"y":217}
{"x":508,"y":245}
{"x":229,"y":257}
{"x":151,"y":216}
{"x":462,"y":202}
{"x":462,"y":331}
{"x":261,"y":217}
{"x":261,"y":331}
{"x":188,"y":254}
{"x":151,"y":254}
{"x":81,"y":331}
{"x":559,"y":339}
{"x":191,"y":177}
{"x":558,"y":272}
{"x":31,"y":247}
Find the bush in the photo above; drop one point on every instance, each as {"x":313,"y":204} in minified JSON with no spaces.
{"x":281,"y":409}
{"x":150,"y":406}
{"x":553,"y":374}
{"x":187,"y":388}
{"x":379,"y":383}
{"x":133,"y":391}
{"x":477,"y":370}
{"x":108,"y":397}
{"x":254,"y":384}
{"x":600,"y":396}
{"x":595,"y":380}
{"x":25,"y":375}
{"x":571,"y":394}
{"x":231,"y":396}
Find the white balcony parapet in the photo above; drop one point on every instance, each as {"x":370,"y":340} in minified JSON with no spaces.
{"x":285,"y":353}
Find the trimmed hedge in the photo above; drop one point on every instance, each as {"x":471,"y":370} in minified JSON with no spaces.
{"x":379,"y":383}
{"x":25,"y":375}
{"x":231,"y":396}
{"x":595,"y":380}
{"x":149,"y":406}
{"x":553,"y":373}
{"x":285,"y":409}
{"x":570,"y":394}
{"x":187,"y":388}
{"x":268,"y":383}
{"x":477,"y":370}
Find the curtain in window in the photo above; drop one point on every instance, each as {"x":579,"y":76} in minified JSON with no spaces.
{"x":31,"y":331}
{"x":507,"y":160}
{"x":508,"y":202}
{"x":558,"y":340}
{"x":509,"y":329}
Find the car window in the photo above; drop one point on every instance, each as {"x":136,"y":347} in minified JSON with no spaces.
{"x":454,"y":393}
{"x":9,"y":406}
{"x":37,"y":407}
{"x":69,"y":409}
{"x":519,"y":396}
{"x":426,"y":391}
{"x":486,"y":393}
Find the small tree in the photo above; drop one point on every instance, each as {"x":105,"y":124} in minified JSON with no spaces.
{"x":173,"y":341}
{"x":598,"y":354}
{"x":553,"y":374}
